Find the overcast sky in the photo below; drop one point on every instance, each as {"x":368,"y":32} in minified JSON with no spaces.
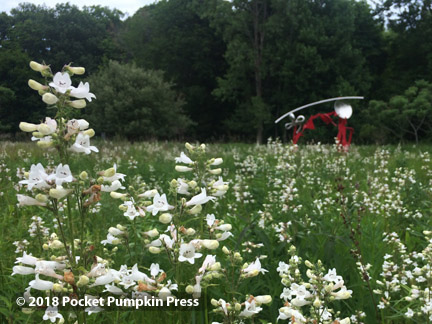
{"x":127,"y":6}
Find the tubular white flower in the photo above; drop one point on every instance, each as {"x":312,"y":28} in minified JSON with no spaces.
{"x":131,"y":211}
{"x":61,"y":82}
{"x":115,"y":185}
{"x":160,"y":203}
{"x":29,"y":201}
{"x":200,"y":199}
{"x":52,"y":314}
{"x":187,"y":253}
{"x":37,"y":178}
{"x":111,"y":239}
{"x":27,"y":259}
{"x":82,"y":144}
{"x":250,"y":309}
{"x":82,"y":92}
{"x":22,"y":270}
{"x":62,"y":174}
{"x":40,"y":284}
{"x":113,"y":290}
{"x":183,"y":158}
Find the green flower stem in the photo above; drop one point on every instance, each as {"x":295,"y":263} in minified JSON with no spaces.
{"x":71,"y":229}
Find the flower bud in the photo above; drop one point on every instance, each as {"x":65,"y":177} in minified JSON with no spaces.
{"x":217,"y":161}
{"x":49,"y":98}
{"x":195,"y":210}
{"x":59,"y":192}
{"x":45,"y":247}
{"x":165,"y":218}
{"x":90,"y":132}
{"x":78,"y":104}
{"x":75,"y":70}
{"x":213,"y":301}
{"x":41,"y":198}
{"x":225,"y":250}
{"x":210,"y":244}
{"x":44,"y":144}
{"x":265,"y":299}
{"x":38,"y":67}
{"x":251,"y":274}
{"x":189,"y":289}
{"x":117,"y":195}
{"x":308,"y":264}
{"x":56,"y":244}
{"x":57,"y":287}
{"x":317,"y":303}
{"x":109,"y":172}
{"x":121,"y":227}
{"x":182,"y":168}
{"x":27,"y":127}
{"x":190,"y":231}
{"x":37,"y":86}
{"x":237,"y":307}
{"x":174,"y":183}
{"x":216,"y":171}
{"x":44,"y":129}
{"x":83,"y":175}
{"x":189,"y":147}
{"x":192,"y":184}
{"x":215,"y":267}
{"x":152,"y":233}
{"x":225,"y":227}
{"x":154,"y":250}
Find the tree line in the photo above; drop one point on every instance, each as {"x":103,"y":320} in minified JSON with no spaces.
{"x":225,"y":70}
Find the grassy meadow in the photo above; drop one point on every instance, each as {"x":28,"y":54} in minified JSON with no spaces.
{"x":332,"y":206}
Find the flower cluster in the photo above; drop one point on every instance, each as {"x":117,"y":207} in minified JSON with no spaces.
{"x":405,"y":279}
{"x":317,"y":293}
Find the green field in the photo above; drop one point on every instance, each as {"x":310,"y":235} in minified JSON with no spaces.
{"x":331,"y":206}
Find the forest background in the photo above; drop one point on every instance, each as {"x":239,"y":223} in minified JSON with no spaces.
{"x":214,"y":70}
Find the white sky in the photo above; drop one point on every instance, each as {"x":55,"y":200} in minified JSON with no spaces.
{"x":126,"y":6}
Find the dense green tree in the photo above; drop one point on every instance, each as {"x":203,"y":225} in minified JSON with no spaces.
{"x":86,"y":37}
{"x":171,"y":36}
{"x":408,"y":44}
{"x":135,"y":103}
{"x":407,"y":116}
